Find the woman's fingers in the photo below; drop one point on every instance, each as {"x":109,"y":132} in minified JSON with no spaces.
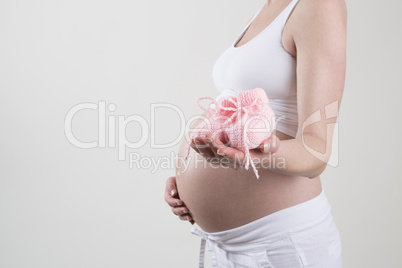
{"x":217,"y":147}
{"x":214,"y":144}
{"x":193,"y":145}
{"x":171,"y":193}
{"x":213,"y":150}
{"x":183,"y":213}
{"x":237,"y":157}
{"x":270,"y":145}
{"x":186,"y":217}
{"x":203,"y":148}
{"x":171,"y":197}
{"x":180,"y":210}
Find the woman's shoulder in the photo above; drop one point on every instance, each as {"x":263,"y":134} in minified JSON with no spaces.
{"x":321,"y":8}
{"x":315,"y":17}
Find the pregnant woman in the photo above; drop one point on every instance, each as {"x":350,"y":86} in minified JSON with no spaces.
{"x":296,"y":51}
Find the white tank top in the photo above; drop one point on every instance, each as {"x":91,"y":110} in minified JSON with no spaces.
{"x":262,"y":62}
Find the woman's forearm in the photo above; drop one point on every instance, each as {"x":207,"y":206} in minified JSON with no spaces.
{"x":303,"y":156}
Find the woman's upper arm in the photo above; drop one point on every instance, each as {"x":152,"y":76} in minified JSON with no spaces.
{"x":319,"y":33}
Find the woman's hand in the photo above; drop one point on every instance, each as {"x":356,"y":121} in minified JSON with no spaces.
{"x":177,"y":205}
{"x":215,"y":152}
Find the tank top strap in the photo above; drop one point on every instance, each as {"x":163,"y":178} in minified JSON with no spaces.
{"x":278,"y":23}
{"x":284,"y":16}
{"x":246,"y":27}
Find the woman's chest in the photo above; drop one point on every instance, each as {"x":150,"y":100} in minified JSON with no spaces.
{"x":250,"y":66}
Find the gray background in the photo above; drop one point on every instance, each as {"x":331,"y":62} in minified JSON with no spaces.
{"x":62,"y":206}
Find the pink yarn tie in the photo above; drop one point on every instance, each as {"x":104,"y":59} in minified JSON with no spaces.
{"x":243,"y":113}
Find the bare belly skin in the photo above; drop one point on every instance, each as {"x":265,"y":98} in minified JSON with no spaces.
{"x":224,"y":198}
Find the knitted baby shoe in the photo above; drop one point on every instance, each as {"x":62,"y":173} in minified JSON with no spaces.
{"x":216,"y":117}
{"x":246,"y":121}
{"x":251,"y":123}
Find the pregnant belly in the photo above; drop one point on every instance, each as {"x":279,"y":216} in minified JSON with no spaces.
{"x":222,"y":198}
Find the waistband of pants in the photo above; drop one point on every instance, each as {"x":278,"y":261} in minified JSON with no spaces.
{"x":271,"y":228}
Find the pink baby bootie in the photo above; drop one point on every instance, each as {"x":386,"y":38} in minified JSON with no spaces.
{"x":216,"y":117}
{"x":246,"y":120}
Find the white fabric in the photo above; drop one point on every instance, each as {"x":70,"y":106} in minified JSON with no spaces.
{"x":262,"y":62}
{"x":304,"y":235}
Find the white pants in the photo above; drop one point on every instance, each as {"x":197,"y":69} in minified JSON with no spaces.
{"x":304,"y":235}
